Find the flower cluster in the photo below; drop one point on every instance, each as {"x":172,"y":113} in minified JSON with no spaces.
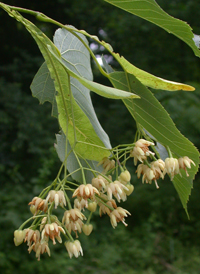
{"x":102,"y":192}
{"x":156,"y":169}
{"x":79,"y":202}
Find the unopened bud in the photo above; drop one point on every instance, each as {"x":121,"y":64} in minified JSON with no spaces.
{"x":125,"y":177}
{"x":87,"y":229}
{"x":92,"y":206}
{"x":32,"y":209}
{"x":130,"y":189}
{"x":19,"y":236}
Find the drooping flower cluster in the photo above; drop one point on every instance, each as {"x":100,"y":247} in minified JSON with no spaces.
{"x":105,"y":191}
{"x":156,"y":169}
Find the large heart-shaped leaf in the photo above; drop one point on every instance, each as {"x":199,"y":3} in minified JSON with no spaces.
{"x":152,"y":117}
{"x":151,"y":11}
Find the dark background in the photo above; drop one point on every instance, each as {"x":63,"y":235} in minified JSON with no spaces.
{"x":159,"y":237}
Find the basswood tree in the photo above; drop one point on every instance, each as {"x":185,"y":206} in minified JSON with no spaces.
{"x":92,"y":172}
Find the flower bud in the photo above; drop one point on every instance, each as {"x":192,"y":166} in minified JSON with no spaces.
{"x":32,"y":209}
{"x":130,"y":189}
{"x":92,"y":206}
{"x":125,"y":177}
{"x":87,"y":229}
{"x":19,"y":237}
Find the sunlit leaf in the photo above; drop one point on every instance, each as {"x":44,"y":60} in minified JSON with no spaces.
{"x":150,"y":80}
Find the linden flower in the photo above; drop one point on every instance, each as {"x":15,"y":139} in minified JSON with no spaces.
{"x":171,"y":167}
{"x":32,"y":236}
{"x":107,"y":164}
{"x":40,"y":248}
{"x":117,"y":189}
{"x":85,"y":191}
{"x":141,"y":150}
{"x":185,"y":162}
{"x":39,"y":204}
{"x":74,"y":248}
{"x":99,"y":182}
{"x":107,"y":206}
{"x":72,"y":220}
{"x":150,"y":174}
{"x":117,"y":215}
{"x":57,"y":197}
{"x":52,"y":231}
{"x":80,"y":203}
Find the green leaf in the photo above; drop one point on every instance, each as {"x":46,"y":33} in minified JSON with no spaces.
{"x":152,"y":12}
{"x":144,"y":77}
{"x":72,"y":163}
{"x":150,"y":80}
{"x":151,"y":116}
{"x":72,"y":119}
{"x":43,"y":88}
{"x":78,"y":60}
{"x":102,"y":90}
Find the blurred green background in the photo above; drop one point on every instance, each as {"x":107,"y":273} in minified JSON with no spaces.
{"x":159,"y":237}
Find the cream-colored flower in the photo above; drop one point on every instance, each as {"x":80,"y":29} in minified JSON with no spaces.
{"x":118,"y":215}
{"x":43,"y":223}
{"x":72,"y":220}
{"x":57,"y":197}
{"x":19,"y":236}
{"x":107,"y":164}
{"x":171,"y":167}
{"x":40,"y":248}
{"x":158,"y":165}
{"x":106,"y":206}
{"x":150,"y":174}
{"x":141,"y":150}
{"x":117,"y":189}
{"x":74,"y":248}
{"x":86,"y":191}
{"x":185,"y":162}
{"x":52,"y":231}
{"x":31,"y":236}
{"x":99,"y":182}
{"x":39,"y":203}
{"x":80,"y":203}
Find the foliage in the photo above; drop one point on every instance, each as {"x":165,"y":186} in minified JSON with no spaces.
{"x":149,"y":253}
